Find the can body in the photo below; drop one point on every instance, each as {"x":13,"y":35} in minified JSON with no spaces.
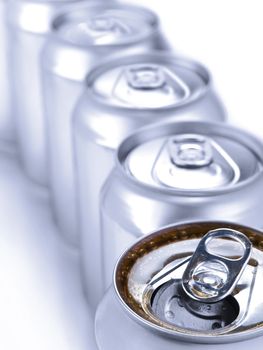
{"x":124,"y":321}
{"x":99,"y":127}
{"x":62,"y":88}
{"x":6,"y":123}
{"x":28,"y":27}
{"x":130,"y":209}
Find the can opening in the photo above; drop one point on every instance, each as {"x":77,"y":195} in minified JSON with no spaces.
{"x":150,"y":277}
{"x":171,"y":304}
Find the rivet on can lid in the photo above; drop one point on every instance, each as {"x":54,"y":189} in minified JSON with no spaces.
{"x":210,"y":277}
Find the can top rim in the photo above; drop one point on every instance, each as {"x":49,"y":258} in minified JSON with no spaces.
{"x":74,"y":12}
{"x":168,"y":128}
{"x":153,"y":57}
{"x":138,"y":249}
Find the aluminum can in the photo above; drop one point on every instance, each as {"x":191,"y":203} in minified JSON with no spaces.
{"x":84,"y":36}
{"x":147,"y":307}
{"x":120,"y":97}
{"x":6,"y":124}
{"x":177,"y":172}
{"x":29,"y":23}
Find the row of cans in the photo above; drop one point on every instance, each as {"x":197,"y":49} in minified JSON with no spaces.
{"x":87,"y":79}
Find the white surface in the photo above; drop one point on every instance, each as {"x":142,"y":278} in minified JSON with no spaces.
{"x":41,"y":302}
{"x":225,"y":35}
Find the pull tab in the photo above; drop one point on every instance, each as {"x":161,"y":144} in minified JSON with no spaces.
{"x":211,"y":277}
{"x":100,"y":27}
{"x":103,"y":24}
{"x":149,"y":85}
{"x":145,"y":77}
{"x":190,"y":151}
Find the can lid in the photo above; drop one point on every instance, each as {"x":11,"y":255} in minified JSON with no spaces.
{"x":103,"y":25}
{"x":176,"y":159}
{"x":154,"y":281}
{"x":149,"y":81}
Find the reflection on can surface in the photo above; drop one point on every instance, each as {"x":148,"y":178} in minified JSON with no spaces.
{"x":29,"y":24}
{"x":6,"y":122}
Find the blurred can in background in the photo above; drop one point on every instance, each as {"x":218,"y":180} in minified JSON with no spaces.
{"x":28,"y":26}
{"x":174,"y":172}
{"x":147,"y":307}
{"x":81,"y":38}
{"x":120,"y":97}
{"x":6,"y":122}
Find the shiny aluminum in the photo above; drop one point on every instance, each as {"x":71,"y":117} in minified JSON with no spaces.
{"x":81,"y":38}
{"x":6,"y":122}
{"x":28,"y":27}
{"x":210,"y":277}
{"x":122,"y":96}
{"x":146,"y":307}
{"x":148,"y":189}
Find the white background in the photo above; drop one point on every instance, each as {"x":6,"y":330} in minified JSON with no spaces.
{"x":41,"y":305}
{"x":227,"y":36}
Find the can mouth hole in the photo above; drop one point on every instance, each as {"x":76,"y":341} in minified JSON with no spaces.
{"x":171,"y":305}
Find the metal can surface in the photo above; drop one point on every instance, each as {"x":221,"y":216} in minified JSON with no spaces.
{"x":148,"y":307}
{"x":6,"y":123}
{"x":28,"y":27}
{"x":84,"y":36}
{"x":175,"y":172}
{"x":120,"y":97}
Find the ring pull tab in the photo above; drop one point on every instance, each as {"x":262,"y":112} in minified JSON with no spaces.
{"x":211,"y":277}
{"x":145,"y":77}
{"x":105,"y":25}
{"x":101,"y":24}
{"x":190,"y":151}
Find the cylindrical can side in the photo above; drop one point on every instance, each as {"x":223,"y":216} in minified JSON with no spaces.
{"x":28,"y":28}
{"x":97,"y":157}
{"x":62,"y":88}
{"x":27,"y":106}
{"x":61,"y":181}
{"x":144,"y":208}
{"x":7,"y":132}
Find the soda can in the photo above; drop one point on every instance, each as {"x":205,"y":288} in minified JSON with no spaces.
{"x":193,"y":285}
{"x":120,"y":97}
{"x":6,"y":124}
{"x":177,"y":172}
{"x":84,"y":36}
{"x":29,"y":24}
